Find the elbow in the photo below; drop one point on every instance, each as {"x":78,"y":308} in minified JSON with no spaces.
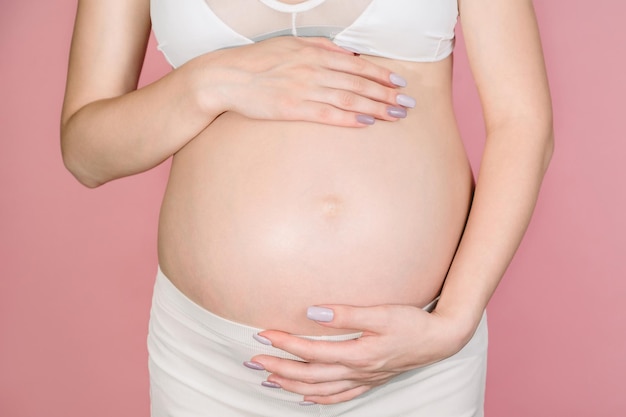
{"x":75,"y":157}
{"x":82,"y":175}
{"x":87,"y":181}
{"x":78,"y":167}
{"x":541,"y":146}
{"x":539,"y":137}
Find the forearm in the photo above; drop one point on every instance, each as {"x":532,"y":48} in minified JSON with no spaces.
{"x":120,"y":136}
{"x":511,"y":172}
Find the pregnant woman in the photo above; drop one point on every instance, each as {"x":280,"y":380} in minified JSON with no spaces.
{"x":322,"y":247}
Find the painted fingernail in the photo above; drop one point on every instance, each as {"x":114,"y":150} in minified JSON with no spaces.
{"x":406,"y":101}
{"x":262,"y":339}
{"x":307,"y":403}
{"x":254,"y":365}
{"x":320,"y":314}
{"x":270,"y":384}
{"x":399,"y":112}
{"x":397,"y":79}
{"x":365,"y":119}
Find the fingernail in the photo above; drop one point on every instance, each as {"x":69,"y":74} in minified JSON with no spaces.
{"x":254,"y":365}
{"x":365,"y":119}
{"x":270,"y":384}
{"x":307,"y":403}
{"x":399,"y":112}
{"x":397,"y":79}
{"x":406,"y":101}
{"x":262,"y":339}
{"x":322,"y":314}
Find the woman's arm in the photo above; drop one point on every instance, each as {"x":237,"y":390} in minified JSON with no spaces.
{"x":110,"y":130}
{"x":506,"y":58}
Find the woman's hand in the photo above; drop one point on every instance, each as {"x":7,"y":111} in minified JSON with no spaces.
{"x":395,"y":339}
{"x":289,"y":78}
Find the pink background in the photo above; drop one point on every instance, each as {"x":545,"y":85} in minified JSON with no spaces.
{"x":77,"y":265}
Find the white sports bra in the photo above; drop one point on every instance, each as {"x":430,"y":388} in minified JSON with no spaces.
{"x":407,"y":30}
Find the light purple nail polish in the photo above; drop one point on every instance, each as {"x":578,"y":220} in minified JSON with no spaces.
{"x":322,"y":314}
{"x":261,"y":339}
{"x":406,"y":101}
{"x":399,"y":112}
{"x":307,"y":403}
{"x":270,"y":384}
{"x":365,"y":119}
{"x":254,"y":365}
{"x":398,"y":80}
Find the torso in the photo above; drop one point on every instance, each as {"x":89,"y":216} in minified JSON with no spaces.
{"x":263,"y":219}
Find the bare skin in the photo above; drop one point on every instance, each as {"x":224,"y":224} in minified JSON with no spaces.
{"x":263,"y":219}
{"x":280,"y":198}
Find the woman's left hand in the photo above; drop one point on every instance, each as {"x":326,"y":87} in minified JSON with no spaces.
{"x":395,"y":339}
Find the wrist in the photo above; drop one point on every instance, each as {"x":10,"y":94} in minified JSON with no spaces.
{"x":204,"y":80}
{"x":462,"y":324}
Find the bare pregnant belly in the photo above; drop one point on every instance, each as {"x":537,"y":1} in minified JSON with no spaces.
{"x":262,"y":219}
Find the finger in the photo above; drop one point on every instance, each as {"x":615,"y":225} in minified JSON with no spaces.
{"x":359,"y":95}
{"x":323,"y":353}
{"x":318,"y":389}
{"x":348,"y":62}
{"x":319,"y":112}
{"x":374,"y":319}
{"x":359,"y":85}
{"x":303,"y":372}
{"x":359,"y":66}
{"x":340,"y":397}
{"x":318,"y":379}
{"x":356,"y":103}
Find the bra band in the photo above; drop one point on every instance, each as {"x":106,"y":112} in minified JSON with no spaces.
{"x":405,"y":30}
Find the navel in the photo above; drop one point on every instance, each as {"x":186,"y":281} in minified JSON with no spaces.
{"x":331,"y":206}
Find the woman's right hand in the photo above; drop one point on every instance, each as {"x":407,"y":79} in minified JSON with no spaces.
{"x":289,"y":78}
{"x":111,"y":129}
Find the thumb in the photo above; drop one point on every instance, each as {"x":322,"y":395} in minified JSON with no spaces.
{"x":349,"y":317}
